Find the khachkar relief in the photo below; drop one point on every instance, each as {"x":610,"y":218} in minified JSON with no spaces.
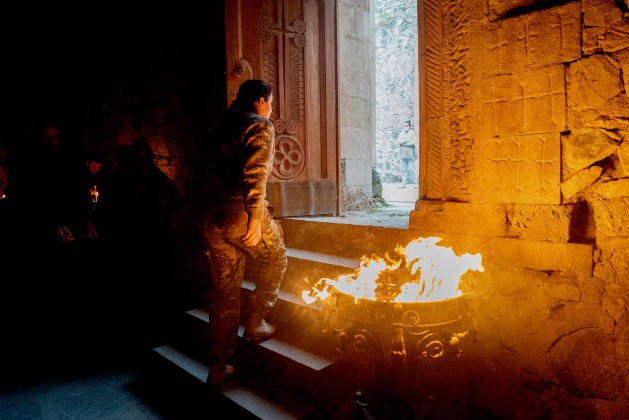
{"x":519,"y":169}
{"x":283,"y":67}
{"x":458,"y":144}
{"x":530,"y":102}
{"x":518,"y":155}
{"x":533,"y":40}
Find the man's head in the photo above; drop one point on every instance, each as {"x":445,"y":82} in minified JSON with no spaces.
{"x":94,"y":161}
{"x":142,"y":154}
{"x":50,"y":136}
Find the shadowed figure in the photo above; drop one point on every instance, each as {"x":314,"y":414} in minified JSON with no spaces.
{"x":138,"y":207}
{"x":38,"y":269}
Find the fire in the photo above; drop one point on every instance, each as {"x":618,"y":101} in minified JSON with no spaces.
{"x":420,"y":272}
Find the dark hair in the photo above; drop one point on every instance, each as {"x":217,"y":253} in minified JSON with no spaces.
{"x":250,"y":91}
{"x":95,"y":156}
{"x":122,"y":154}
{"x":139,"y":145}
{"x":230,"y":125}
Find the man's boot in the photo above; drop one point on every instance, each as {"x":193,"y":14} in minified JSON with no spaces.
{"x":257,"y":328}
{"x":220,"y":373}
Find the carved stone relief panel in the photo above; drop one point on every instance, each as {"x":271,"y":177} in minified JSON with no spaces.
{"x":431,"y":98}
{"x":457,"y":99}
{"x":519,"y":169}
{"x":524,"y":103}
{"x":532,"y":41}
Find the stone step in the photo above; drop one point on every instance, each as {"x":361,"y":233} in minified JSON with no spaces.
{"x":302,"y":361}
{"x":320,"y":257}
{"x":263,"y":399}
{"x":278,"y":345}
{"x":342,"y":242}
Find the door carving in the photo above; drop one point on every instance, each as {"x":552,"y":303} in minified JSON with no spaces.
{"x":290,"y":45}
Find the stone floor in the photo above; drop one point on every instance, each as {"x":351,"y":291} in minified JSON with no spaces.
{"x":129,"y":390}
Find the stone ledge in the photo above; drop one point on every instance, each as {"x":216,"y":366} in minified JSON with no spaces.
{"x":465,"y":218}
{"x":543,"y":256}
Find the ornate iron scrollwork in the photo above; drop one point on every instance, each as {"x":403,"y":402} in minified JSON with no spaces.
{"x":384,"y":336}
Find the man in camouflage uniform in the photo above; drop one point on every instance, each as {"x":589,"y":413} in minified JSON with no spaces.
{"x":238,"y":224}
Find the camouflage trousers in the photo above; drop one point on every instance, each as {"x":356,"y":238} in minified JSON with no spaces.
{"x":227,"y":257}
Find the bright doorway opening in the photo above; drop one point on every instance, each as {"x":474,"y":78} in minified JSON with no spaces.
{"x":397,"y":99}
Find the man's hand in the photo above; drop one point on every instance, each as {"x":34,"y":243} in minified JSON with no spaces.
{"x":91,"y":231}
{"x":254,"y":233}
{"x":65,"y":235}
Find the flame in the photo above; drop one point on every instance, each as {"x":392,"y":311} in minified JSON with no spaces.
{"x":420,"y":272}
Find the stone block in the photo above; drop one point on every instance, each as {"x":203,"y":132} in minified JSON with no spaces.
{"x":612,"y":265}
{"x":610,"y":216}
{"x":620,"y":160}
{"x":428,"y":215}
{"x":524,"y":103}
{"x":518,"y":169}
{"x":475,"y":219}
{"x":355,"y":172}
{"x":540,"y":222}
{"x":359,"y":85}
{"x":462,"y":218}
{"x":585,"y":147}
{"x":565,"y":258}
{"x":354,"y":20}
{"x":602,"y":376}
{"x":356,"y":143}
{"x":580,"y":181}
{"x":354,"y":54}
{"x":613,"y":189}
{"x":551,"y":36}
{"x":360,"y":112}
{"x":616,"y":37}
{"x":567,"y":292}
{"x":594,"y":80}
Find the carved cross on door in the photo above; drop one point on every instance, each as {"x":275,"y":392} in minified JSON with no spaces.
{"x":283,"y":60}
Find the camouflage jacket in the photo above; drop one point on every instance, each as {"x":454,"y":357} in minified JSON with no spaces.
{"x":236,"y":166}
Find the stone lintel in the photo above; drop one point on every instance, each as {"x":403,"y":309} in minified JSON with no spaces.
{"x":543,"y":256}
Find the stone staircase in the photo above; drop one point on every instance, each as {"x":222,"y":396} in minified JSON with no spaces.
{"x":300,"y":373}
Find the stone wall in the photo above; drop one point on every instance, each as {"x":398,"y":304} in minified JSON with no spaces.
{"x":356,"y":103}
{"x":526,"y":163}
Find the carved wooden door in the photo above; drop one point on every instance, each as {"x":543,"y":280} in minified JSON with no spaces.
{"x":290,"y":45}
